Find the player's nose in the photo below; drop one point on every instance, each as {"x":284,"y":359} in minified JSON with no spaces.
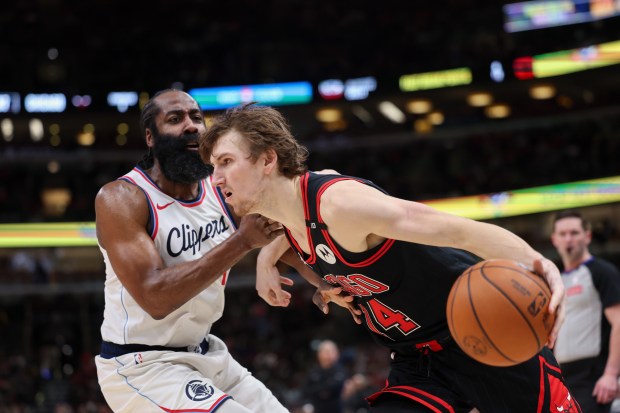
{"x":217,"y":177}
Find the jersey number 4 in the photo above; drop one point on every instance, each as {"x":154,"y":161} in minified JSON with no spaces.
{"x":388,"y":318}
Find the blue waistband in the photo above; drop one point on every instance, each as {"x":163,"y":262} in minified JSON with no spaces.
{"x":110,"y":350}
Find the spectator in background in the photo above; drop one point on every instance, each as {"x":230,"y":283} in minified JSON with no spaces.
{"x":323,"y":387}
{"x":588,"y":344}
{"x":355,"y":390}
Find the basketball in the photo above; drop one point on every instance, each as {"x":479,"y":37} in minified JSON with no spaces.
{"x":498,"y":312}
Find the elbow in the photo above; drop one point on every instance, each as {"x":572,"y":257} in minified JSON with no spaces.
{"x":156,"y":303}
{"x":156,"y":310}
{"x":158,"y":315}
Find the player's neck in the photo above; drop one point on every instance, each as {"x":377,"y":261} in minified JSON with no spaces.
{"x":174,"y":189}
{"x":283,"y":202}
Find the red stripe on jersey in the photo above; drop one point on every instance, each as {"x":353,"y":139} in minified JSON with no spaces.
{"x":541,"y":393}
{"x":370,"y":324}
{"x":303,"y":183}
{"x":434,"y":403}
{"x":151,"y":205}
{"x":370,"y":260}
{"x":199,"y":200}
{"x":437,"y":399}
{"x":147,"y":178}
{"x":291,"y":239}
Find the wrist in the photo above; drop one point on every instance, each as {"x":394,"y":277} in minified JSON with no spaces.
{"x":242,"y":242}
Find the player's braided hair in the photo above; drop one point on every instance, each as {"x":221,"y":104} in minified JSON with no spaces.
{"x":147,"y":121}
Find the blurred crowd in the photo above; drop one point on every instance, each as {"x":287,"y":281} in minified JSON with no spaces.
{"x":478,"y":162}
{"x":48,"y":345}
{"x":251,"y":41}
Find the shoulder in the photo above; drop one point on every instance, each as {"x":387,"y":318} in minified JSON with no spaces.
{"x":116,"y":189}
{"x":120,"y":195}
{"x":604,"y":267}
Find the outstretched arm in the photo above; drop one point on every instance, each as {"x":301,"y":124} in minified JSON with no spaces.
{"x":122,"y":215}
{"x":360,"y":217}
{"x":269,"y":281}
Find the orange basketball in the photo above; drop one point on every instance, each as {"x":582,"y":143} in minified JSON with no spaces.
{"x":498,"y":312}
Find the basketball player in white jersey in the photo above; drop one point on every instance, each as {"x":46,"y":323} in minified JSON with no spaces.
{"x":168,"y":242}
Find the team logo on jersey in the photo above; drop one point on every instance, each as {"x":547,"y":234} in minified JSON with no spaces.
{"x":187,"y":238}
{"x":324,"y":253}
{"x":198,"y":390}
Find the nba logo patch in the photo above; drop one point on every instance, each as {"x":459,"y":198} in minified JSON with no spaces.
{"x":198,"y":391}
{"x":324,"y":253}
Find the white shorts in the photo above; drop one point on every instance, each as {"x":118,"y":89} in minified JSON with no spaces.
{"x":156,"y":381}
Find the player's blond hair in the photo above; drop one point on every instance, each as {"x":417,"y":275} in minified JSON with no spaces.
{"x":264,"y":128}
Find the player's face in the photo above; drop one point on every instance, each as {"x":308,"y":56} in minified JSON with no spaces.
{"x":178,"y":157}
{"x":238,"y":176}
{"x":175,"y":139}
{"x":570,"y":238}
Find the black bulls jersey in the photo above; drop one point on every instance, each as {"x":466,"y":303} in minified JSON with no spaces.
{"x":401,"y":287}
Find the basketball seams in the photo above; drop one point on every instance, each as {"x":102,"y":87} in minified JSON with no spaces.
{"x":510,"y":300}
{"x":473,"y":304}
{"x":542,"y":284}
{"x":480,"y":325}
{"x":452,"y":299}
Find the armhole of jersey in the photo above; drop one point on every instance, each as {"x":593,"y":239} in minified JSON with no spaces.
{"x":221,"y":200}
{"x":152,"y":224}
{"x":295,"y":246}
{"x":384,"y":246}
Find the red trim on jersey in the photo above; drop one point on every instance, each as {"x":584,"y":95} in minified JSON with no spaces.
{"x":541,"y":385}
{"x":370,"y":323}
{"x":551,"y":366}
{"x":197,"y":202}
{"x":303,"y":183}
{"x":370,"y":260}
{"x":151,"y":205}
{"x":296,"y":245}
{"x":440,"y":405}
{"x":147,"y":178}
{"x":181,"y":202}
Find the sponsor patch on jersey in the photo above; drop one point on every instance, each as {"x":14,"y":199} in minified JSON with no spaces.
{"x":574,"y":290}
{"x":197,"y":390}
{"x":324,"y":253}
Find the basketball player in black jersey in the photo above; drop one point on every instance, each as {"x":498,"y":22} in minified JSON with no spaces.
{"x":398,"y":258}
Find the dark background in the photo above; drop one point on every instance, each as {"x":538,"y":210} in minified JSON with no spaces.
{"x":51,"y":300}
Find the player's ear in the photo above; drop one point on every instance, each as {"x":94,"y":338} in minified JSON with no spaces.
{"x":148,"y":135}
{"x":270,"y":160}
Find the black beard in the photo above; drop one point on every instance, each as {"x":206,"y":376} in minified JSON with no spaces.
{"x":177,"y":163}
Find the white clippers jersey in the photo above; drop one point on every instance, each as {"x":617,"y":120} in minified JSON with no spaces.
{"x":182,"y":231}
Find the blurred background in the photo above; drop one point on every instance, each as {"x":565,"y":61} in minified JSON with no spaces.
{"x":500,"y":111}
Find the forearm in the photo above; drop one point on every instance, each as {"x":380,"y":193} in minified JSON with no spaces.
{"x":492,"y":241}
{"x":273,"y":252}
{"x":292,"y":259}
{"x":612,"y":367}
{"x":167,"y":289}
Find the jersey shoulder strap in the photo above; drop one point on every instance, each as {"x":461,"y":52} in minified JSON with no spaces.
{"x":312,"y":187}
